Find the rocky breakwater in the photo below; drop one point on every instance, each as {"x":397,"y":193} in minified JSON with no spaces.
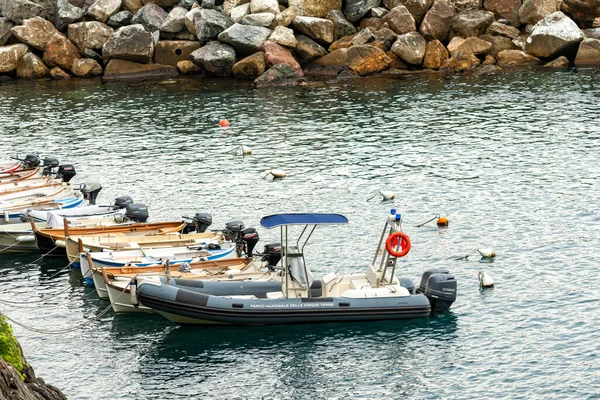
{"x":282,"y":42}
{"x":17,"y":379}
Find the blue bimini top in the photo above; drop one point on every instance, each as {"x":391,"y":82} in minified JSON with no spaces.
{"x":273,"y":221}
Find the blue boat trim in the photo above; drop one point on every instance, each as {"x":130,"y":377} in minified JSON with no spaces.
{"x":273,"y":221}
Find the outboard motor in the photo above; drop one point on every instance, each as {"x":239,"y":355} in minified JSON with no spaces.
{"x":234,"y":229}
{"x":49,"y":165}
{"x":441,"y":291}
{"x":66,"y":172}
{"x":272,"y":254}
{"x":407,"y":283}
{"x":123,"y":201}
{"x":202,"y":221}
{"x":137,"y":212}
{"x":426,"y":275}
{"x":31,"y":161}
{"x":90,"y":191}
{"x":250,"y":238}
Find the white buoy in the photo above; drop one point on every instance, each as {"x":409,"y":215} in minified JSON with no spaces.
{"x":245,"y":150}
{"x":277,"y":173}
{"x":485,"y":281}
{"x":486,"y":253}
{"x":387,"y":195}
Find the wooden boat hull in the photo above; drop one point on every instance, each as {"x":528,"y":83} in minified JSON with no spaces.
{"x":13,"y":215}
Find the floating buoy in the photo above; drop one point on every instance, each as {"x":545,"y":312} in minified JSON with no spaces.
{"x":387,"y":195}
{"x":245,"y":150}
{"x":486,"y":253}
{"x":277,"y":174}
{"x":485,"y":281}
{"x":223,"y":123}
{"x":442,"y":222}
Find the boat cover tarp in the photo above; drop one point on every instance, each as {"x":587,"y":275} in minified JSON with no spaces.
{"x":273,"y":221}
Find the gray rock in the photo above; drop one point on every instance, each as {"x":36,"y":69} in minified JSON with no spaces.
{"x":151,"y":17}
{"x":187,"y":4}
{"x":437,"y":21}
{"x":386,"y":36}
{"x":261,"y":6}
{"x":215,"y":58}
{"x":132,"y":42}
{"x":379,"y":12}
{"x":239,"y":12}
{"x":341,"y":26}
{"x":400,"y":20}
{"x":89,"y":35}
{"x":554,"y":35}
{"x":520,"y":41}
{"x":363,"y":37}
{"x":354,"y":10}
{"x":534,"y":10}
{"x":284,"y":36}
{"x":66,"y":14}
{"x":260,"y":19}
{"x":417,"y":8}
{"x":593,"y":33}
{"x":18,"y":10}
{"x":5,"y":26}
{"x":279,"y":75}
{"x":120,"y":19}
{"x":246,"y":39}
{"x":471,"y":23}
{"x":35,"y":32}
{"x":307,"y":49}
{"x":508,"y":31}
{"x":49,"y":8}
{"x":499,"y":43}
{"x":410,"y":47}
{"x":102,"y":10}
{"x":209,"y":24}
{"x":467,"y":5}
{"x":89,"y":53}
{"x":320,"y":29}
{"x":175,"y":21}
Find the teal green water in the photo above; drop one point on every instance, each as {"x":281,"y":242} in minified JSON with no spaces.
{"x":512,"y":160}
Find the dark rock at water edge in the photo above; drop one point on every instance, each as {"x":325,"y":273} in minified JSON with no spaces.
{"x":279,"y":75}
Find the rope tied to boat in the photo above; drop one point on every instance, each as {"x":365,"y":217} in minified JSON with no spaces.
{"x":14,"y":244}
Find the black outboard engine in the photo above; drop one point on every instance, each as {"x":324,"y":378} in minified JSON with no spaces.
{"x":123,"y":201}
{"x":250,"y":238}
{"x":90,"y":191}
{"x":31,"y":161}
{"x":137,"y":212}
{"x":66,"y":172}
{"x":407,"y":283}
{"x":272,"y":254}
{"x":49,"y":165}
{"x":440,"y":289}
{"x":234,"y":228}
{"x":202,"y":221}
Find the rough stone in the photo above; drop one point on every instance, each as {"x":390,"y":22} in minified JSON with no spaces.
{"x":86,"y":68}
{"x":122,"y":18}
{"x":132,"y":6}
{"x":435,"y":55}
{"x":511,"y":58}
{"x":582,"y":11}
{"x":554,"y":35}
{"x":534,"y":10}
{"x":239,"y":12}
{"x":467,"y":5}
{"x":128,"y":71}
{"x":186,"y":67}
{"x":354,"y":10}
{"x":475,"y":46}
{"x":60,"y":52}
{"x":372,"y":23}
{"x":437,"y":21}
{"x":208,"y":24}
{"x":229,"y":5}
{"x":499,"y":43}
{"x":307,"y":49}
{"x":320,"y":29}
{"x":151,"y":17}
{"x":315,"y":8}
{"x":363,"y":37}
{"x":385,"y":36}
{"x":279,"y":75}
{"x":337,"y":57}
{"x":131,"y":43}
{"x":35,"y":32}
{"x":588,"y":53}
{"x":417,"y":8}
{"x":31,"y":66}
{"x":250,"y":67}
{"x":59,"y":74}
{"x":559,"y":63}
{"x":284,"y":36}
{"x":102,"y":10}
{"x":507,"y":9}
{"x":89,"y":53}
{"x":521,"y":41}
{"x":5,"y":27}
{"x":286,"y":17}
{"x":19,"y":10}
{"x":260,"y":19}
{"x":410,"y":47}
{"x":261,"y":6}
{"x":400,"y":20}
{"x":66,"y":14}
{"x":277,"y":54}
{"x":593,"y":33}
{"x":366,"y":60}
{"x":171,"y":52}
{"x":246,"y":39}
{"x":471,"y":23}
{"x":162,"y":3}
{"x":596,"y":23}
{"x":215,"y":58}
{"x":379,"y":12}
{"x":508,"y":31}
{"x":175,"y":20}
{"x":89,"y":35}
{"x":341,"y":26}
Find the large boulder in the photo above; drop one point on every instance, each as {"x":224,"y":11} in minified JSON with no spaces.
{"x":128,"y":70}
{"x":588,"y":53}
{"x":534,"y":10}
{"x":554,"y":35}
{"x":19,"y":10}
{"x":499,"y":43}
{"x":250,"y":67}
{"x":496,"y":28}
{"x":507,"y":9}
{"x":102,"y":10}
{"x":319,"y":29}
{"x":279,"y":75}
{"x":261,"y":6}
{"x":410,"y":47}
{"x":122,"y":18}
{"x":66,"y":13}
{"x":175,"y":21}
{"x":215,"y":58}
{"x":60,"y":52}
{"x":341,"y":26}
{"x":307,"y":49}
{"x":315,"y":8}
{"x":5,"y":26}
{"x":277,"y":54}
{"x":354,"y":10}
{"x":559,"y":63}
{"x":171,"y":52}
{"x":246,"y":39}
{"x":86,"y":68}
{"x":36,"y":32}
{"x":400,"y":20}
{"x":10,"y":56}
{"x":471,"y":23}
{"x":435,"y":55}
{"x":475,"y":46}
{"x":49,"y":8}
{"x":32,"y":67}
{"x":260,"y":19}
{"x":512,"y":58}
{"x":208,"y":24}
{"x":284,"y":36}
{"x":366,"y":60}
{"x":151,"y":17}
{"x":89,"y":35}
{"x":131,"y":43}
{"x":437,"y":21}
{"x":582,"y":11}
{"x":239,"y":12}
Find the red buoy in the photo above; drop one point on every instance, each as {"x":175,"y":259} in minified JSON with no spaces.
{"x":223,"y":122}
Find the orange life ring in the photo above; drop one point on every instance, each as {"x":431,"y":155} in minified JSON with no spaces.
{"x":404,"y":244}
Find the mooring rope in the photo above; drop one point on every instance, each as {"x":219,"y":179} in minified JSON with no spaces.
{"x":43,"y":255}
{"x":12,"y":245}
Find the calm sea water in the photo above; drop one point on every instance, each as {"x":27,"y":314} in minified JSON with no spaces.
{"x":512,"y":160}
